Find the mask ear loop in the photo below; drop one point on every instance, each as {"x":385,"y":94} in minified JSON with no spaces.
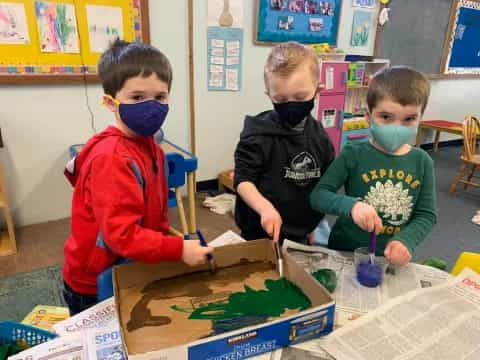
{"x":115,"y":101}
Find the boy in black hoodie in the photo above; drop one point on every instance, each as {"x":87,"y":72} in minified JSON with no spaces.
{"x":282,"y":152}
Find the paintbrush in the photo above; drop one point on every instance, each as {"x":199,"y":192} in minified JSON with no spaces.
{"x":211,"y":261}
{"x":279,"y":255}
{"x":372,"y":247}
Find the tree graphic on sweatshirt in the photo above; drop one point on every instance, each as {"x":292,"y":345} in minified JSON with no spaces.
{"x":392,"y":202}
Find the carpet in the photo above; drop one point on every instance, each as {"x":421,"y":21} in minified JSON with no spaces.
{"x":20,"y":293}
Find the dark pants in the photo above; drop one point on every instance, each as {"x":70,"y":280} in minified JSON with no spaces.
{"x":77,"y":302}
{"x":281,"y":238}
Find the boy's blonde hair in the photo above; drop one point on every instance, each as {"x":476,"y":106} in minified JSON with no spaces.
{"x":401,"y":84}
{"x":287,"y":57}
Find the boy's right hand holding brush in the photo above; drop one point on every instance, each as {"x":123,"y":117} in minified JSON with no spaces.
{"x":194,"y":253}
{"x":366,"y":217}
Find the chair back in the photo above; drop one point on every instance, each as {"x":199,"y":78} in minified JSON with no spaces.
{"x":471,"y":129}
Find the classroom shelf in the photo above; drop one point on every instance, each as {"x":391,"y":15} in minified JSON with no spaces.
{"x":8,"y":244}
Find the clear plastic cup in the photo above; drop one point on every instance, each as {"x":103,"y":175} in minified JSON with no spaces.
{"x":370,"y":275}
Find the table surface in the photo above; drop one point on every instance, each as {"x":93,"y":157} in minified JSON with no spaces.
{"x":443,"y":125}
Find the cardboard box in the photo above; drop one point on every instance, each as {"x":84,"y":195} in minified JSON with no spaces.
{"x":133,"y":290}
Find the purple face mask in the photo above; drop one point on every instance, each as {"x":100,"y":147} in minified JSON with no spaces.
{"x":144,"y":118}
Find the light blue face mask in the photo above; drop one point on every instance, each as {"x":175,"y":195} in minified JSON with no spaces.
{"x":391,"y":137}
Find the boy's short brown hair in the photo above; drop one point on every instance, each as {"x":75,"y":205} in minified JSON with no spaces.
{"x":286,"y":57}
{"x":401,"y":84}
{"x":124,"y":60}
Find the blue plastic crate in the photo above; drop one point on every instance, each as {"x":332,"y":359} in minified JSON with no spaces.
{"x":11,"y":331}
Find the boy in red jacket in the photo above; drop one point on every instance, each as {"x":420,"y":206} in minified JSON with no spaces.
{"x":119,"y":205}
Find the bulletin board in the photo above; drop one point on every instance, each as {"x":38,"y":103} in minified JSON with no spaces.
{"x":305,"y":21}
{"x":420,"y":34}
{"x":60,"y":41}
{"x":415,"y":34}
{"x":462,"y":45}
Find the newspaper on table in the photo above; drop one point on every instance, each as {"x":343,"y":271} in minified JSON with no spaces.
{"x":105,"y":344}
{"x":290,"y":353}
{"x":227,"y":238}
{"x":352,"y":300}
{"x":101,"y":315}
{"x":97,"y":329}
{"x":70,"y":347}
{"x":442,"y":322}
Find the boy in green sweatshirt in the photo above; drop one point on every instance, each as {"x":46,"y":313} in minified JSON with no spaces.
{"x":389,"y":185}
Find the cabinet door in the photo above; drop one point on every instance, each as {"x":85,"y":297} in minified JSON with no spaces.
{"x":330,"y":114}
{"x":334,"y":77}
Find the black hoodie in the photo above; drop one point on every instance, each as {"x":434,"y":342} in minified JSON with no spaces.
{"x":284,"y":164}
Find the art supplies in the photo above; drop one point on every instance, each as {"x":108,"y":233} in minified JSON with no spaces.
{"x":279,"y":255}
{"x":203,"y":242}
{"x":175,"y":311}
{"x":369,"y":272}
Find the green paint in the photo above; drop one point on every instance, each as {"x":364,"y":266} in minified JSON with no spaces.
{"x":182,"y":309}
{"x":64,"y":28}
{"x":278,"y":296}
{"x":436,"y":263}
{"x":7,"y":350}
{"x":327,"y":278}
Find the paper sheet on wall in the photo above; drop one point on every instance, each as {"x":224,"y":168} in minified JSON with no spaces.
{"x":224,"y":49}
{"x":364,"y":3}
{"x":225,"y":13}
{"x":105,"y":24}
{"x":361,"y":28}
{"x":57,"y":27}
{"x":13,"y":24}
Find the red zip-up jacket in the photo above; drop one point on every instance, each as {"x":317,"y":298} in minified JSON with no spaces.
{"x":119,"y":208}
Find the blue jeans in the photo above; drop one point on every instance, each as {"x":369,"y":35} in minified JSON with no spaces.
{"x":77,"y":302}
{"x":321,"y":233}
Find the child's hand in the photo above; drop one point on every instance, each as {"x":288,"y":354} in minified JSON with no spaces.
{"x":271,"y":222}
{"x":366,"y":217}
{"x":397,"y":253}
{"x":194,"y":253}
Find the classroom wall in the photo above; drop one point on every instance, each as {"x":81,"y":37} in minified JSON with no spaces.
{"x":39,"y":123}
{"x":452,"y":100}
{"x":223,"y":112}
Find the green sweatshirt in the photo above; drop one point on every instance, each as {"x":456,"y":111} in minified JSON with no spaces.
{"x":400,"y":187}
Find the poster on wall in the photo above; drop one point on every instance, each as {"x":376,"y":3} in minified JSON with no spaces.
{"x":364,"y":3}
{"x":13,"y":24}
{"x":225,"y":44}
{"x":361,"y":28}
{"x":224,"y":58}
{"x":463,"y":55}
{"x":305,"y":21}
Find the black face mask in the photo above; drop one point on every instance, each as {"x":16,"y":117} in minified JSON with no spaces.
{"x":293,"y":112}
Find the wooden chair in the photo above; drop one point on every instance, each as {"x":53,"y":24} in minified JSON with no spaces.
{"x":470,"y":157}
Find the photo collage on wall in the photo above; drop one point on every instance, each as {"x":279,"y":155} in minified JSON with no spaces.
{"x":292,"y":9}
